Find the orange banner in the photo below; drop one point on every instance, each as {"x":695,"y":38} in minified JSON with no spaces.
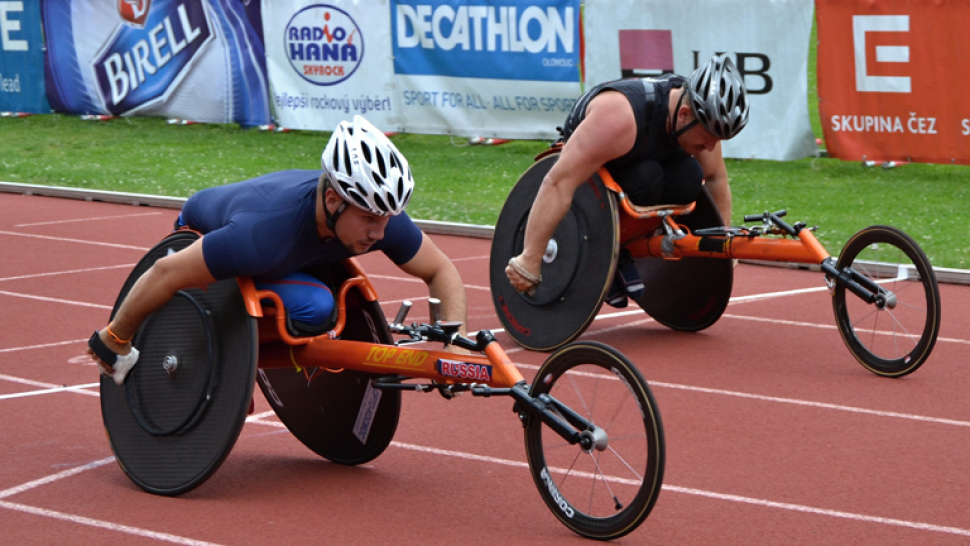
{"x":894,"y":79}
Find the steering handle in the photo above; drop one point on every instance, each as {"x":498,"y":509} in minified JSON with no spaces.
{"x":764,"y":216}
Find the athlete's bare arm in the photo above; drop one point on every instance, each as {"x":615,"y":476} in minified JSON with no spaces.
{"x":444,"y":282}
{"x":167,"y":276}
{"x":716,"y":180}
{"x":608,"y":131}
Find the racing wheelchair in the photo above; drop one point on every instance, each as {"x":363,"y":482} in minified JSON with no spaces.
{"x":593,"y":434}
{"x":884,"y":292}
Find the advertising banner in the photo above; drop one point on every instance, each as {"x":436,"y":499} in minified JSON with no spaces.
{"x":892,"y":79}
{"x":328,"y":61}
{"x":767,"y":39}
{"x":21,"y":58}
{"x":189,"y":59}
{"x":487,"y":68}
{"x":500,"y":68}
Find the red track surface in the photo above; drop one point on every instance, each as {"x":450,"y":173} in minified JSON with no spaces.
{"x":775,"y":435}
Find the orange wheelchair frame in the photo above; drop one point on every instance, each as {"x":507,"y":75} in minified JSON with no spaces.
{"x":598,"y":468}
{"x":490,"y":374}
{"x":680,"y":254}
{"x":653,"y":232}
{"x":280,"y":349}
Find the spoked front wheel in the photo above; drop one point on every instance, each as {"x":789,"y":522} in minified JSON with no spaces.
{"x":608,"y":490}
{"x":893,"y":336}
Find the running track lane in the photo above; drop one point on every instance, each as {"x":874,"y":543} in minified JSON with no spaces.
{"x":775,"y":435}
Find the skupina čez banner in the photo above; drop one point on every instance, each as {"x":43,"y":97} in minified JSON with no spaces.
{"x":21,"y":58}
{"x":486,"y":68}
{"x":767,"y":39}
{"x":893,"y":77}
{"x":200,"y":60}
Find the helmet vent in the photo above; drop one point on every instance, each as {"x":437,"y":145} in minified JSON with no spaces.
{"x":380,"y":203}
{"x":381,"y":165}
{"x":347,"y":160}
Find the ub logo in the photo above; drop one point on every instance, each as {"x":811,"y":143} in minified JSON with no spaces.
{"x":134,"y":12}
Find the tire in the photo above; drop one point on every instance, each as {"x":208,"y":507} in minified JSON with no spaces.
{"x":890,"y":341}
{"x":689,"y":294}
{"x":601,"y":384}
{"x":171,"y":429}
{"x":578,"y":265}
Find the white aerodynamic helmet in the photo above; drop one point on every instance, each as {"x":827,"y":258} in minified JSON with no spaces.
{"x":366,"y":168}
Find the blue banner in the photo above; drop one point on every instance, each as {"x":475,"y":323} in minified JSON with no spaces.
{"x":22,"y":58}
{"x":188,"y":59}
{"x":498,"y":39}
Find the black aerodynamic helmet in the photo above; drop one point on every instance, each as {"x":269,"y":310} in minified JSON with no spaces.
{"x":718,"y":97}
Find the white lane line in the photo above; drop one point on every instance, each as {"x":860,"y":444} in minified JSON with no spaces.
{"x":71,"y":518}
{"x":808,"y":403}
{"x":127,"y":529}
{"x":68,"y":272}
{"x":80,"y":241}
{"x":90,"y":219}
{"x":50,"y":387}
{"x":834,"y":327}
{"x":417,"y":280}
{"x":73,"y":388}
{"x":54,"y":300}
{"x":691,"y":491}
{"x":769,"y":295}
{"x":44,"y":346}
{"x":54,"y":477}
{"x":820,"y":511}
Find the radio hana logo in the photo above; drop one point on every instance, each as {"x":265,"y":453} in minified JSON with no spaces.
{"x":324,"y":44}
{"x":141,"y":64}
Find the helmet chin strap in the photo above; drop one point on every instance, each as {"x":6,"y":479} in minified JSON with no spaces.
{"x":332,"y":217}
{"x":685,"y":128}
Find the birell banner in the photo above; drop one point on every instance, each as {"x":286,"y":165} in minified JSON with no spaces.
{"x":22,"y":58}
{"x":893,"y":77}
{"x":200,"y":60}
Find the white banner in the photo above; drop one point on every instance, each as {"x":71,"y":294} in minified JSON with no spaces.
{"x":328,"y":62}
{"x":768,"y":39}
{"x":494,"y":68}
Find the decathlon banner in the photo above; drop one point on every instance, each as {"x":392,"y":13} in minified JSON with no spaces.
{"x":768,"y":40}
{"x":200,"y":60}
{"x":21,"y":58}
{"x":489,"y":68}
{"x":486,"y":68}
{"x":893,"y":77}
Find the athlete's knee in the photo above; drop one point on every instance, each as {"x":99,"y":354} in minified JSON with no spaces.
{"x":318,"y":306}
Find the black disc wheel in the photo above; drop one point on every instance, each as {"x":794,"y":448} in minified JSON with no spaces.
{"x":689,"y":294}
{"x":895,"y":335}
{"x":338,"y":415}
{"x":608,"y":490}
{"x":577,"y":266}
{"x":183,"y":405}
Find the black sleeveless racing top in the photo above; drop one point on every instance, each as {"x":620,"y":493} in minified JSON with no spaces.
{"x":649,"y":98}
